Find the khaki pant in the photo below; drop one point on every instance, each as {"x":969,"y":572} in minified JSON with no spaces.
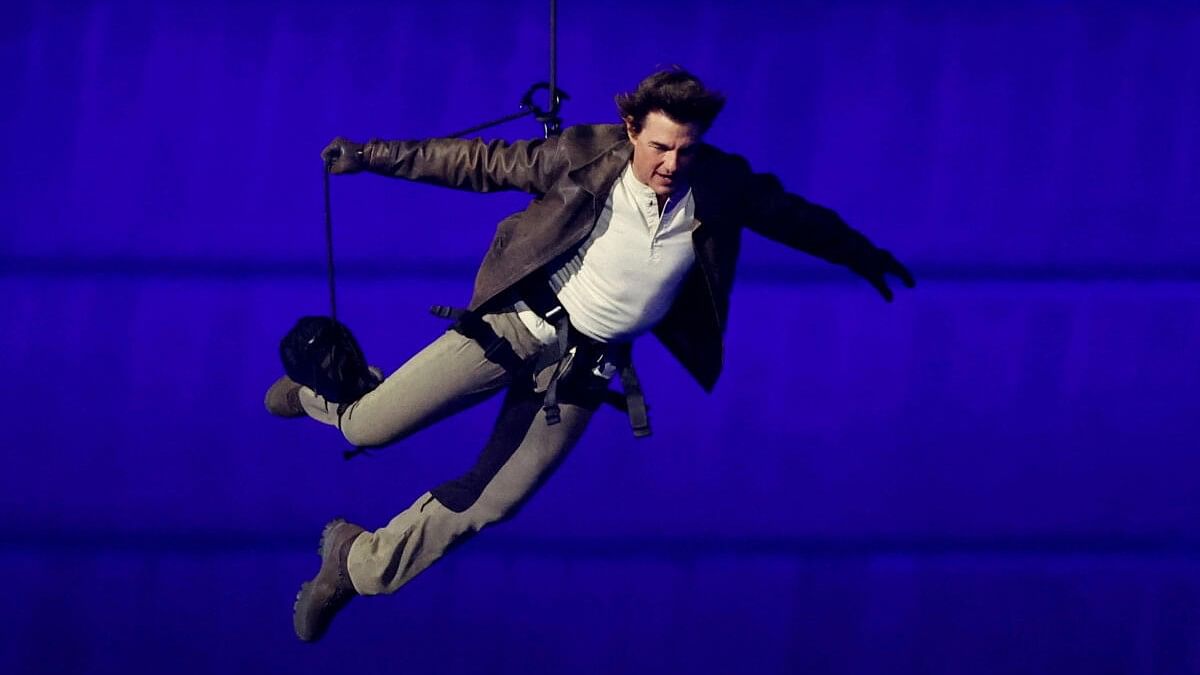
{"x":446,"y":377}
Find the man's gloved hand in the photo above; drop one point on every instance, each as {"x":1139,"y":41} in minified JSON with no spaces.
{"x":344,"y":156}
{"x":882,"y":263}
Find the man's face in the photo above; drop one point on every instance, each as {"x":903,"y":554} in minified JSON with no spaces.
{"x":663,"y":152}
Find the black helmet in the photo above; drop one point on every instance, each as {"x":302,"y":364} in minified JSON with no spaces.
{"x":322,"y":354}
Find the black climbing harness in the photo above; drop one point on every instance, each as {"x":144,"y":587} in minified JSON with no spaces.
{"x":583,"y":370}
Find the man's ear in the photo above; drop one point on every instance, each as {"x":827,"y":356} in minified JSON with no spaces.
{"x":629,"y":129}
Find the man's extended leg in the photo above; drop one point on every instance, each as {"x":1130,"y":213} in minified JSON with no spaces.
{"x":450,"y":374}
{"x":506,"y":474}
{"x":521,"y":453}
{"x":519,"y":457}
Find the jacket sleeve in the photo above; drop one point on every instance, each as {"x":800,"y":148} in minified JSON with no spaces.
{"x":793,"y":221}
{"x":470,"y":164}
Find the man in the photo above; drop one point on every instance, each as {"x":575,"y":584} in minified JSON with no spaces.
{"x":633,"y":228}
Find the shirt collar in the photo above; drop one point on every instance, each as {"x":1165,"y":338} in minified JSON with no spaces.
{"x":644,"y":195}
{"x":637,"y":188}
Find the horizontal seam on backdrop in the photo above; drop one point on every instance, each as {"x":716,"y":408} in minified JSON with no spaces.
{"x":223,"y":543}
{"x":266,"y":270}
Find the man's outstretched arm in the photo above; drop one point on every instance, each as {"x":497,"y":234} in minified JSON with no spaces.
{"x":466,"y":164}
{"x":791,"y":220}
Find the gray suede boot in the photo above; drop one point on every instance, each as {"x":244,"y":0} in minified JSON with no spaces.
{"x":283,"y":398}
{"x":320,"y":599}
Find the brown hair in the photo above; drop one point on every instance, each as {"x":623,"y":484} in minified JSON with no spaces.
{"x":675,"y":92}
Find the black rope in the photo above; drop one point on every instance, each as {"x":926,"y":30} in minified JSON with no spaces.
{"x":329,"y":244}
{"x":487,"y":125}
{"x":548,"y":116}
{"x":553,"y":57}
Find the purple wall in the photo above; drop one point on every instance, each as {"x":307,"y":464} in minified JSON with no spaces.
{"x":996,"y":474}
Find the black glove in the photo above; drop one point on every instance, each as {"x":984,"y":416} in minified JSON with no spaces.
{"x":881,"y":263}
{"x":344,"y":156}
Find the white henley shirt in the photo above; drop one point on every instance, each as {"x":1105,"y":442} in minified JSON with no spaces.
{"x":624,"y":277}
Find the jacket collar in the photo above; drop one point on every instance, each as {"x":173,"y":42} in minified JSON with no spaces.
{"x":597,"y":172}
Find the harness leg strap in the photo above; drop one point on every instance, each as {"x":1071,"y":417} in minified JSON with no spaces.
{"x":495,"y":348}
{"x":635,"y":401}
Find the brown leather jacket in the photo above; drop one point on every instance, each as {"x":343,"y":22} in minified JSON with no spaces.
{"x":570,"y":177}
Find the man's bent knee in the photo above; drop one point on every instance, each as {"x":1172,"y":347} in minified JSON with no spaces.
{"x":363,"y":435}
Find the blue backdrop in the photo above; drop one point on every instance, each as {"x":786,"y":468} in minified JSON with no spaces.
{"x":998,"y":473}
